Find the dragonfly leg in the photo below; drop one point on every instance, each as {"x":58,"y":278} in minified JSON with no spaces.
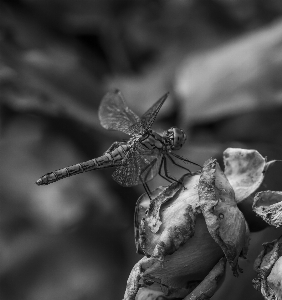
{"x":166,"y":171}
{"x":171,"y":159}
{"x":176,"y":165}
{"x":160,"y":170}
{"x":184,"y":159}
{"x":146,"y":188}
{"x":150,"y":166}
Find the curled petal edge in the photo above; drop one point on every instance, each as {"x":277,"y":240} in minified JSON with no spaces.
{"x":268,"y":268}
{"x":225,"y":222}
{"x":268,"y":206}
{"x":245,"y":170}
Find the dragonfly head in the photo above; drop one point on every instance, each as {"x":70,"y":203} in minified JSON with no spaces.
{"x":177,"y":137}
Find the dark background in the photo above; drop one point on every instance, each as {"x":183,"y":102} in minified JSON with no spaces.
{"x":222,"y":63}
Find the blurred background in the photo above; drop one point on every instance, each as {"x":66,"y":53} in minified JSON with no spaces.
{"x":221,"y":61}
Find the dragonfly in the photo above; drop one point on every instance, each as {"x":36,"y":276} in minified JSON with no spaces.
{"x":142,"y":157}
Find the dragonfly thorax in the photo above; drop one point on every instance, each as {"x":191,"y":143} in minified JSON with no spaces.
{"x":176,"y":137}
{"x":152,"y":140}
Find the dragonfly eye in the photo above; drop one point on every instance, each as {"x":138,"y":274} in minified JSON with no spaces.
{"x":177,"y":137}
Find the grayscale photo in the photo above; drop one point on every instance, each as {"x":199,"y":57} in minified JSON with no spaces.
{"x":140,"y":150}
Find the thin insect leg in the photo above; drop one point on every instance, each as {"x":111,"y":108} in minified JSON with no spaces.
{"x":168,"y":155}
{"x":149,"y":167}
{"x":184,"y":159}
{"x":150,"y":193}
{"x":160,"y":170}
{"x":166,"y":171}
{"x":146,"y":188}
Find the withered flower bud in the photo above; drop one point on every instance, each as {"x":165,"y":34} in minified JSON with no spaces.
{"x":190,"y":228}
{"x":268,"y":265}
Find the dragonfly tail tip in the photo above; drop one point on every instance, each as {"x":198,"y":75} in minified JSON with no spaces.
{"x":39,"y":182}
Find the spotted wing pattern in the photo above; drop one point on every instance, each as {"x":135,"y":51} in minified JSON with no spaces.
{"x":148,"y":118}
{"x":114,"y":114}
{"x":140,"y":165}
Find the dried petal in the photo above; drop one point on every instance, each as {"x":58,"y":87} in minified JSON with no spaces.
{"x":185,"y":229}
{"x":268,"y":265}
{"x":142,"y":205}
{"x":268,"y":205}
{"x":245,"y":171}
{"x":153,"y":214}
{"x":140,"y":277}
{"x":211,"y":283}
{"x":132,"y":285}
{"x":225,"y":222}
{"x":170,"y":218}
{"x":175,"y":208}
{"x":190,"y":262}
{"x":275,"y":279}
{"x":148,"y":294}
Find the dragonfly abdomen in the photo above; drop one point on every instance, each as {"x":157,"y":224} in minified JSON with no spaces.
{"x":93,"y":164}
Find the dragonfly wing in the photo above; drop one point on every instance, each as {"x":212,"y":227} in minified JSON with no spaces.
{"x":140,"y":165}
{"x":114,"y":114}
{"x":148,"y":118}
{"x":151,"y":172}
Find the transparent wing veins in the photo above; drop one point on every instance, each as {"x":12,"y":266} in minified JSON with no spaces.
{"x":139,"y":165}
{"x":148,"y":118}
{"x":114,"y":114}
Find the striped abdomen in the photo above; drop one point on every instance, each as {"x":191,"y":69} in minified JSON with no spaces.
{"x":109,"y":159}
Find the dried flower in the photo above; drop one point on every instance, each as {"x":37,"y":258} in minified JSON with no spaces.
{"x":190,"y":228}
{"x":268,"y":265}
